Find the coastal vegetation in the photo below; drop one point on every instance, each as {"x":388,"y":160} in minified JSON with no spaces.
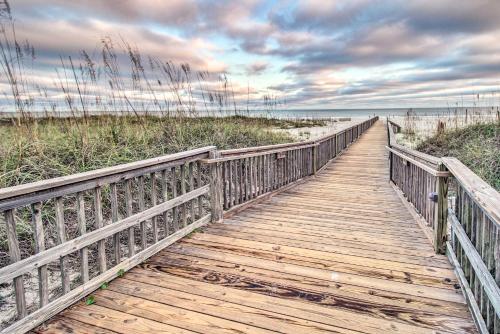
{"x":477,"y":146}
{"x":53,"y":147}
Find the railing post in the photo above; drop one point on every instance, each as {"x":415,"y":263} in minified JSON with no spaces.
{"x":390,"y":165}
{"x":441,"y":211}
{"x":315,"y":158}
{"x":215,"y":187}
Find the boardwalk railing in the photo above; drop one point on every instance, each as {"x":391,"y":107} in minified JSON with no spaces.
{"x":89,"y":228}
{"x":473,"y":243}
{"x":423,"y":180}
{"x":244,"y":174}
{"x":120,"y":216}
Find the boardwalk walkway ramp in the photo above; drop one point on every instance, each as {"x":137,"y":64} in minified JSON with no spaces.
{"x":337,"y":253}
{"x":347,"y":233}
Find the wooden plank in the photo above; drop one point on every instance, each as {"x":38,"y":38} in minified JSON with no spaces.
{"x":199,"y":184}
{"x":183,"y":181}
{"x":164,"y":191}
{"x":15,"y":257}
{"x":154,"y":202}
{"x":119,"y":322}
{"x":101,"y":244}
{"x":157,"y":304}
{"x":315,"y":260}
{"x":342,"y":309}
{"x":114,"y":219}
{"x":60,"y":324}
{"x":142,"y":207}
{"x":61,"y":240}
{"x":292,"y":299}
{"x":330,"y":276}
{"x":39,"y":238}
{"x":129,"y":213}
{"x":82,"y":229}
{"x":175,"y":210}
{"x":191,"y":188}
{"x":233,"y":312}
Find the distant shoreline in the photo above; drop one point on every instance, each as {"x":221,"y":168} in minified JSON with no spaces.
{"x":294,"y":113}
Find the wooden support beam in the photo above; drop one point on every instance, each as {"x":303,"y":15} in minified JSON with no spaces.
{"x":216,"y":187}
{"x":441,"y":212}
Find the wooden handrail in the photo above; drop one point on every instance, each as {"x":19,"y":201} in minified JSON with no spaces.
{"x":35,"y":187}
{"x":478,"y":190}
{"x":422,"y":166}
{"x":256,"y":149}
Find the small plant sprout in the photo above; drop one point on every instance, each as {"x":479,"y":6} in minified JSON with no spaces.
{"x":90,"y":300}
{"x":121,"y":272}
{"x":104,"y":285}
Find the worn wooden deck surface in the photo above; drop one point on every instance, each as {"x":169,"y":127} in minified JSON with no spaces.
{"x":339,"y":253}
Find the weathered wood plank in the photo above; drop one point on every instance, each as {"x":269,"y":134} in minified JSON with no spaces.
{"x":15,"y":256}
{"x":101,"y":244}
{"x":43,"y":278}
{"x":61,"y":236}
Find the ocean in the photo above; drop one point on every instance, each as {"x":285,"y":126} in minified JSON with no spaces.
{"x":362,"y":113}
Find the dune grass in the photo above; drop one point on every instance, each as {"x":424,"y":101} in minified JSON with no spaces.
{"x":49,"y":148}
{"x":477,"y":146}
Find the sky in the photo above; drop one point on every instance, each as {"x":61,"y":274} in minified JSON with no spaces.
{"x":311,"y":54}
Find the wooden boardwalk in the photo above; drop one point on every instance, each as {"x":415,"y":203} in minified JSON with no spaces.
{"x":339,"y":253}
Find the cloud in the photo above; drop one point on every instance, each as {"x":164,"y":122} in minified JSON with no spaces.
{"x":330,"y":52}
{"x":257,"y":68}
{"x":66,"y":38}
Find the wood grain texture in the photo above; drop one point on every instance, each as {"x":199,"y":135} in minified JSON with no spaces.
{"x":338,"y":253}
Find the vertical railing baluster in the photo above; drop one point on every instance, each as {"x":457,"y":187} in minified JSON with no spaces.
{"x":129,"y":212}
{"x":39,"y":238}
{"x":230,"y":180}
{"x":225,"y":185}
{"x":114,"y":219}
{"x":61,"y":234}
{"x":154,"y":220}
{"x":175,"y":215}
{"x":142,"y":207}
{"x":101,"y":244}
{"x":183,"y":191}
{"x":251,"y":184}
{"x":15,"y":255}
{"x":191,"y":188}
{"x":164,"y":190}
{"x":82,"y":229}
{"x":199,"y":185}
